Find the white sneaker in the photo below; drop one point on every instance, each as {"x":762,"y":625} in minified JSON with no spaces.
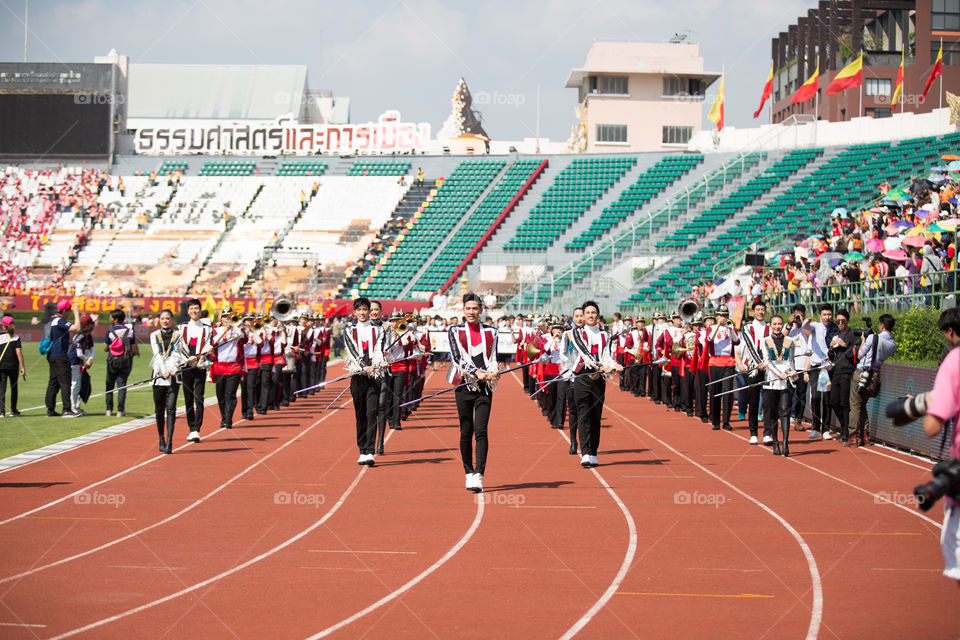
{"x":362,"y":459}
{"x":477,"y":483}
{"x":594,"y":462}
{"x":767,"y":439}
{"x":828,"y":435}
{"x":370,"y":460}
{"x":193,"y":436}
{"x":753,"y":439}
{"x":468,"y":483}
{"x":584,"y":461}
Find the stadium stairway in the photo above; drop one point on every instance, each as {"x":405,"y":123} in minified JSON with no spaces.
{"x":587,"y":271}
{"x":451,"y":234}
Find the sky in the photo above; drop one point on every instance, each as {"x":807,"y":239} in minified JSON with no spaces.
{"x":409,"y":54}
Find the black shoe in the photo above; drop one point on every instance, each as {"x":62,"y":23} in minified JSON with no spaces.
{"x":14,"y":413}
{"x":716,"y":427}
{"x":776,"y":447}
{"x":169,"y":449}
{"x":786,"y":450}
{"x":53,"y":414}
{"x":727,"y":427}
{"x":228,"y":426}
{"x":163,"y":446}
{"x":379,"y":451}
{"x":573,"y":448}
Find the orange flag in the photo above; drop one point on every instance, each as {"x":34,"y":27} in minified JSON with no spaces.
{"x":808,"y":89}
{"x":936,"y":73}
{"x":767,"y":92}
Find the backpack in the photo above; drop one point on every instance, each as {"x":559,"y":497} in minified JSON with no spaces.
{"x":120,"y":357}
{"x":45,"y":339}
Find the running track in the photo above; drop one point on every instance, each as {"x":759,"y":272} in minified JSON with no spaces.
{"x":272,"y":530}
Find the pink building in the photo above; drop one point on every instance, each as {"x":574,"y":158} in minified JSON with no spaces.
{"x":639,"y":96}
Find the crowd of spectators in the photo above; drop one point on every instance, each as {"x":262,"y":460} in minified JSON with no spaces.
{"x":900,"y":253}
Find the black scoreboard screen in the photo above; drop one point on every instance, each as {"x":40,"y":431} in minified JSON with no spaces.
{"x":46,"y":124}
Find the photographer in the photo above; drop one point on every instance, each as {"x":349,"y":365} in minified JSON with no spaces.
{"x":865,"y":384}
{"x":944,"y":405}
{"x":821,"y":335}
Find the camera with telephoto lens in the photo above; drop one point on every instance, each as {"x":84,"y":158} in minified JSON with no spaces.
{"x":864,"y":381}
{"x":905,"y":410}
{"x":946,"y":482}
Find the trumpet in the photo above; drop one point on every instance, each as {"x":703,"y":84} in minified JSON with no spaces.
{"x":403,"y":323}
{"x":283,"y":310}
{"x":234,"y":319}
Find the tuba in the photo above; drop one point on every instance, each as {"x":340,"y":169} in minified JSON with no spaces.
{"x":283,"y":309}
{"x":688,"y":310}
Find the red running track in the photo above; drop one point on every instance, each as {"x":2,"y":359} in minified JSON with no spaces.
{"x":272,"y":530}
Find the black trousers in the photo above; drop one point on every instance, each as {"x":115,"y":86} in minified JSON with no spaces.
{"x":528,"y":381}
{"x":840,"y":401}
{"x":119,"y":379}
{"x":702,"y":378}
{"x":249,"y":392}
{"x":753,"y":407}
{"x":589,"y":395}
{"x":639,"y":379}
{"x":288,"y":378}
{"x":623,"y":377}
{"x":59,"y":380}
{"x":656,"y":372}
{"x":323,"y":369}
{"x":381,"y":409}
{"x":776,"y":413}
{"x":12,"y":376}
{"x":574,"y":415}
{"x":666,"y":386}
{"x":394,"y":383}
{"x":227,"y":397}
{"x":165,"y":408}
{"x":721,"y":407}
{"x":366,"y":399}
{"x":799,"y":398}
{"x":563,"y":389}
{"x":686,"y":392}
{"x":553,"y":398}
{"x":473,"y":408}
{"x":304,"y":369}
{"x":194,"y":383}
{"x":267,"y":388}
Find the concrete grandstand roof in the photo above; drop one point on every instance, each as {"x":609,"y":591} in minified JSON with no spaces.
{"x":215,"y":91}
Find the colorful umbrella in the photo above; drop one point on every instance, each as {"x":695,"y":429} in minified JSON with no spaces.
{"x":950,"y":223}
{"x":853,"y":256}
{"x":950,"y":156}
{"x":874,"y":244}
{"x":839,"y":211}
{"x":954,"y":166}
{"x":938,"y":169}
{"x":895,"y":254}
{"x":892,"y":229}
{"x":896,"y":194}
{"x":914,"y":241}
{"x":936,"y":228}
{"x":917,"y":231}
{"x":905,"y":224}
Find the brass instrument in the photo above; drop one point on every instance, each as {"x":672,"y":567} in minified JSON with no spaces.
{"x":283,"y":310}
{"x":688,"y":310}
{"x":688,"y":343}
{"x":403,"y":323}
{"x":256,"y":323}
{"x":234,"y":319}
{"x":532,"y":352}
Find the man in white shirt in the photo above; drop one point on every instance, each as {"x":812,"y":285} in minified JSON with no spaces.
{"x":820,"y":335}
{"x":364,"y":351}
{"x":489,"y":300}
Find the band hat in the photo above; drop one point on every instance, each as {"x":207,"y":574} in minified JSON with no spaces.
{"x":639,"y":319}
{"x":675,"y":314}
{"x":723,"y":310}
{"x":710,"y":316}
{"x":555,"y":323}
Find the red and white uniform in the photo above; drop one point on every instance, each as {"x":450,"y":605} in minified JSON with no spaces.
{"x":721,"y":342}
{"x":195,"y":338}
{"x":227,"y":354}
{"x":251,"y":350}
{"x":550,"y":347}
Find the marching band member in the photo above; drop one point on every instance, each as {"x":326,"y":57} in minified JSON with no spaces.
{"x":279,"y":337}
{"x":399,"y":347}
{"x":291,"y":363}
{"x":687,"y":399}
{"x":473,"y":350}
{"x":565,"y":385}
{"x":364,"y":347}
{"x":592,"y":352}
{"x":640,"y":344}
{"x":323,"y":349}
{"x":194,"y":345}
{"x":377,"y":320}
{"x":549,"y":346}
{"x":536,"y":370}
{"x":620,"y":329}
{"x":305,"y":354}
{"x":702,"y":359}
{"x":778,"y":354}
{"x":656,"y":372}
{"x":755,"y":333}
{"x":672,"y":384}
{"x":227,"y":370}
{"x":250,"y":387}
{"x":167,"y":359}
{"x":527,"y":334}
{"x":268,"y":389}
{"x":721,"y":342}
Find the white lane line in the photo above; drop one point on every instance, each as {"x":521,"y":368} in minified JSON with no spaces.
{"x":240,"y":567}
{"x":877,"y":497}
{"x":816,"y":611}
{"x":660,"y":476}
{"x":390,"y":553}
{"x":100,"y":482}
{"x":871,"y":449}
{"x":176,"y":515}
{"x":548,"y":506}
{"x":411,"y":583}
{"x":22,"y":625}
{"x":134,"y":566}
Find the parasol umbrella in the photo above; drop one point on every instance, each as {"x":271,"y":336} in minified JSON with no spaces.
{"x":889,"y":203}
{"x":839,"y":211}
{"x":896,"y":194}
{"x":914,"y":241}
{"x":938,"y":169}
{"x":802,"y":253}
{"x":905,"y":224}
{"x":892,"y":229}
{"x":853,"y":256}
{"x":936,"y":228}
{"x":953,"y":166}
{"x":950,"y":156}
{"x":921,"y":185}
{"x":830,"y":257}
{"x":949,"y":223}
{"x":895,"y":254}
{"x":798,"y":236}
{"x":874,"y":244}
{"x":878,"y":210}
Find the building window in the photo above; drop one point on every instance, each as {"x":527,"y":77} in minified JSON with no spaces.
{"x":951,"y":52}
{"x":677,"y":135}
{"x":611,"y":133}
{"x":679,"y":87}
{"x":945,"y":15}
{"x":877,"y":86}
{"x":618,"y":84}
{"x":880,"y":112}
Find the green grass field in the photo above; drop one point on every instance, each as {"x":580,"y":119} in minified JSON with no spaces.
{"x":34,"y":429}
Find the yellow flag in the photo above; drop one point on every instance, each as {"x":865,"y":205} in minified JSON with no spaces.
{"x":716,"y":111}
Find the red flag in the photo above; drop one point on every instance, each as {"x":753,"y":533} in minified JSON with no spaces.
{"x":767,"y":92}
{"x":849,"y":77}
{"x":936,"y":73}
{"x":808,"y":89}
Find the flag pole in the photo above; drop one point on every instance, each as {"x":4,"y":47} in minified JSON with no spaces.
{"x":860,"y":105}
{"x":941,"y":75}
